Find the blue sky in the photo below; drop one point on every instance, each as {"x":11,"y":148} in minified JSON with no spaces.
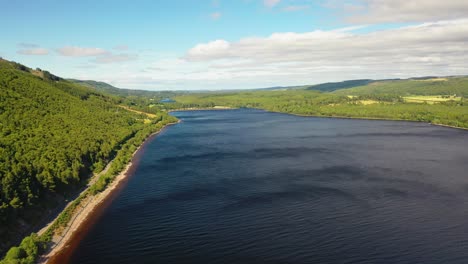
{"x":230,"y":44}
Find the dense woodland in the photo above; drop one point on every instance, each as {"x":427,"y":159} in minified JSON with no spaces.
{"x":415,"y":86}
{"x":53,"y":135}
{"x":381,"y":100}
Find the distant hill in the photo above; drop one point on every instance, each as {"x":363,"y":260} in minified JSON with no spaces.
{"x":333,"y":86}
{"x":414,"y":86}
{"x":279,"y":88}
{"x":100,"y":86}
{"x":112,"y":90}
{"x":426,"y":85}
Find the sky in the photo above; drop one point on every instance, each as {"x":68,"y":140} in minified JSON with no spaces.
{"x":236,"y":44}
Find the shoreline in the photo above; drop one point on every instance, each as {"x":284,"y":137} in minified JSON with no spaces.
{"x":95,"y":206}
{"x":317,"y":116}
{"x":372,"y":119}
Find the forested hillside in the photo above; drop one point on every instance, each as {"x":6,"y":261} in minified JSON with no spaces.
{"x":415,"y":86}
{"x":333,"y":86}
{"x":53,"y":135}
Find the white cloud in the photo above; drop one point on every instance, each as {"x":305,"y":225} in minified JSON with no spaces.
{"x":73,"y":51}
{"x":303,"y":46}
{"x":215,"y":15}
{"x":212,"y":49}
{"x":437,"y":48}
{"x":101,"y":56}
{"x":271,"y":3}
{"x":33,"y":51}
{"x":383,"y":11}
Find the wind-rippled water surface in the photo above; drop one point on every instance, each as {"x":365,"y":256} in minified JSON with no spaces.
{"x":248,"y":186}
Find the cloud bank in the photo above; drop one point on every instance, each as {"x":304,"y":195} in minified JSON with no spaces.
{"x":73,"y":51}
{"x":429,"y":48}
{"x":101,"y":56}
{"x":384,"y":11}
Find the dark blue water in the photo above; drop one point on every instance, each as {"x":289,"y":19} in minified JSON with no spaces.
{"x":247,"y":186}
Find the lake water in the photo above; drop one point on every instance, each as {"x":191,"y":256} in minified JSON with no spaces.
{"x":248,"y":186}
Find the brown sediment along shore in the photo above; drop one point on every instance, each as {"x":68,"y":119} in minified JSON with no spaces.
{"x":93,"y":210}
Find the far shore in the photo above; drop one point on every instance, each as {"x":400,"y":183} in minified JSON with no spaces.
{"x":91,"y":210}
{"x":304,"y":115}
{"x":373,"y":118}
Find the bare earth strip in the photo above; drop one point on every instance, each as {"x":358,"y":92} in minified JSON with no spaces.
{"x":79,"y":217}
{"x":138,"y":112}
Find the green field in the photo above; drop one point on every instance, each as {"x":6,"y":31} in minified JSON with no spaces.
{"x":431,"y":99}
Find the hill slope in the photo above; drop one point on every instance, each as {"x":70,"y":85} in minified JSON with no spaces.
{"x":333,"y":86}
{"x":142,"y":100}
{"x":112,"y":90}
{"x":415,"y":86}
{"x":53,"y":135}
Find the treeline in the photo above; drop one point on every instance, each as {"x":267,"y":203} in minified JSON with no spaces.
{"x":333,"y":86}
{"x":27,"y":252}
{"x":53,"y":135}
{"x":387,"y":106}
